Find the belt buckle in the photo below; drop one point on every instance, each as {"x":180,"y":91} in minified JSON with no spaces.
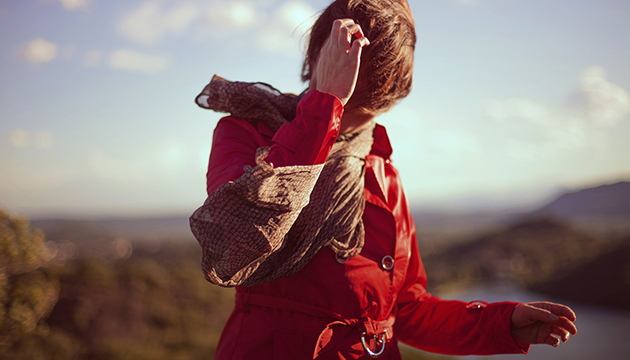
{"x":378,"y":339}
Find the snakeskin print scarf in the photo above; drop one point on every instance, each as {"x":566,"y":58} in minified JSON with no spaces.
{"x":270,"y":222}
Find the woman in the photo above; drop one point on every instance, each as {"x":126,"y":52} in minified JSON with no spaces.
{"x":307,"y":218}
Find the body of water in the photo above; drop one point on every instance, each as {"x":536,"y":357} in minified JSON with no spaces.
{"x":603,"y":333}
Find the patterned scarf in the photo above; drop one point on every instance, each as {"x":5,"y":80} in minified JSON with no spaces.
{"x":270,"y":222}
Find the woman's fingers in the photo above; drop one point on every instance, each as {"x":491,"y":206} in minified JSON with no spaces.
{"x":343,"y":30}
{"x":340,"y":23}
{"x":337,"y":67}
{"x":337,"y":27}
{"x":345,"y":35}
{"x":560,"y":310}
{"x":567,"y":324}
{"x":565,"y":316}
{"x":526,"y":314}
{"x":543,"y":322}
{"x":357,"y":45}
{"x":552,"y":340}
{"x":560,"y":333}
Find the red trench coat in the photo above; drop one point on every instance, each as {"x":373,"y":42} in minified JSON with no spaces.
{"x":323,"y":310}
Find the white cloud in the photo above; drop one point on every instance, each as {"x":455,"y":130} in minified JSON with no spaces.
{"x":149,"y":23}
{"x":602,"y":102}
{"x":296,"y":14}
{"x":21,"y":139}
{"x":74,"y":4}
{"x":596,"y":104}
{"x":596,"y":101}
{"x":284,"y":34}
{"x":281,"y":32}
{"x":92,"y":58}
{"x":467,"y":2}
{"x":39,"y":51}
{"x":527,"y":122}
{"x":132,"y":60}
{"x":18,"y":138}
{"x":142,"y":24}
{"x":178,"y":20}
{"x":517,"y":109}
{"x":274,"y":39}
{"x":236,"y":15}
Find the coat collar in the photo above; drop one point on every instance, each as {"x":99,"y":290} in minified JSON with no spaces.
{"x":381,"y":146}
{"x":376,"y":180}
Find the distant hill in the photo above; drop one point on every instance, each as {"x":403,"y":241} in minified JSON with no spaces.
{"x":601,"y":210}
{"x":160,"y":228}
{"x":604,"y":280}
{"x":611,"y":200}
{"x":437,"y":230}
{"x":529,"y":251}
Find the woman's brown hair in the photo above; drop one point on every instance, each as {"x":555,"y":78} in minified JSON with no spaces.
{"x":386,"y":71}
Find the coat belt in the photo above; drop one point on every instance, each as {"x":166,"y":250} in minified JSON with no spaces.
{"x":370,"y":326}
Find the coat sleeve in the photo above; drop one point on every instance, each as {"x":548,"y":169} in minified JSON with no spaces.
{"x":256,"y":193}
{"x":451,"y":326}
{"x":306,"y":140}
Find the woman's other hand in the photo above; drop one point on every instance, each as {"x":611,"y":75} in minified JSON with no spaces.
{"x":543,"y":323}
{"x":339,"y":59}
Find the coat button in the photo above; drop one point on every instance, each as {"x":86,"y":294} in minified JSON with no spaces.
{"x":387,"y":263}
{"x":477,"y":304}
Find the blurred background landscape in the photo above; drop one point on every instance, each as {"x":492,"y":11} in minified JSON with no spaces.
{"x":133,"y":288}
{"x":513,"y":149}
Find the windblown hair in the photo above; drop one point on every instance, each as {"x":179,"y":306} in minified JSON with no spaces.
{"x":386,"y":70}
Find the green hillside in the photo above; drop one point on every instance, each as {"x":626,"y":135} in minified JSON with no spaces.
{"x":91,"y":295}
{"x":530,"y":252}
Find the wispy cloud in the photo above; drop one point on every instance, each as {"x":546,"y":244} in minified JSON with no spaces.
{"x":132,"y":60}
{"x":529,"y":138}
{"x":595,"y":105}
{"x":467,"y":2}
{"x":596,"y":101}
{"x":21,"y":139}
{"x":521,"y":110}
{"x":70,"y":5}
{"x":600,"y":101}
{"x":284,"y":33}
{"x":92,"y":58}
{"x":74,"y":4}
{"x":39,"y":51}
{"x":270,"y":29}
{"x":150,"y":22}
{"x":230,"y":16}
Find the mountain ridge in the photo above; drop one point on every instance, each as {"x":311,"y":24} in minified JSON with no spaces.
{"x":607,"y":200}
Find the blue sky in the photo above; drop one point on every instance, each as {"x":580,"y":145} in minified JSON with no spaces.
{"x":512,"y":98}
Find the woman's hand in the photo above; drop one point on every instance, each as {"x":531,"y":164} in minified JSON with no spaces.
{"x":538,"y":322}
{"x":339,"y":59}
